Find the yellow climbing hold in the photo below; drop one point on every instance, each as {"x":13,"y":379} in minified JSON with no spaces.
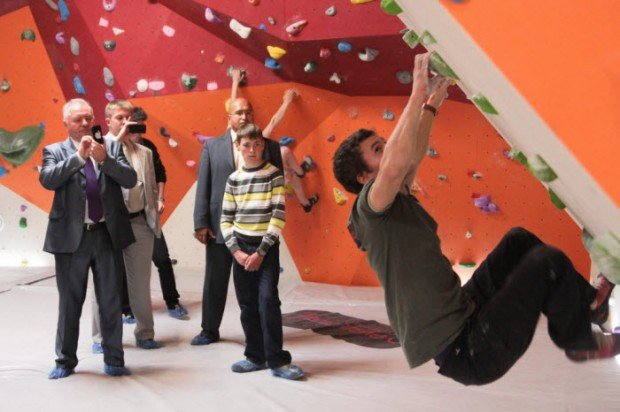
{"x":340,"y":197}
{"x":360,"y":1}
{"x":276,"y":52}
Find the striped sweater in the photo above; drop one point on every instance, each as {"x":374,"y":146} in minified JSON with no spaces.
{"x":253,"y":207}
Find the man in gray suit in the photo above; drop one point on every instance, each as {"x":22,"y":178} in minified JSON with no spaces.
{"x":217,"y":162}
{"x":87,"y":223}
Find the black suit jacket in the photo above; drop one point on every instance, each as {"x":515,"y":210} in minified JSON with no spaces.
{"x":63,"y":173}
{"x":216,"y":164}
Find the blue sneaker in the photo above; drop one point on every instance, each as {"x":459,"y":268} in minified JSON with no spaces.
{"x":129,"y":319}
{"x":290,"y":372}
{"x":178,"y":311}
{"x":247,"y":365}
{"x":148,"y":344}
{"x":201,"y":339}
{"x":115,"y":370}
{"x":97,"y":348}
{"x":59,"y":373}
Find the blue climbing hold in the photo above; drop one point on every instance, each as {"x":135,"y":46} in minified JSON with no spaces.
{"x":78,"y":86}
{"x":64,"y":10}
{"x":3,"y":171}
{"x":344,"y":46}
{"x":272,"y":64}
{"x":262,"y":26}
{"x":286,"y":140}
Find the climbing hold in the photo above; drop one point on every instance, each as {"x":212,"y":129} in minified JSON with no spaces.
{"x":109,"y":5}
{"x":28,"y":34}
{"x":23,"y":223}
{"x":64,"y":10}
{"x":368,"y":54}
{"x":109,"y":45}
{"x":142,"y":85}
{"x":24,"y":263}
{"x":605,"y":253}
{"x":281,"y":268}
{"x":518,"y":156}
{"x":240,"y":29}
{"x":404,"y":76}
{"x":189,"y":81}
{"x":483,"y":104}
{"x":411,"y":38}
{"x":294,"y":29}
{"x":190,"y":163}
{"x":331,"y":11}
{"x":163,"y":132}
{"x":76,"y":67}
{"x":438,"y":65}
{"x":211,"y":17}
{"x":431,"y":152}
{"x":335,"y":78}
{"x":103,"y":22}
{"x":388,"y":115}
{"x":212,"y":85}
{"x":168,"y":31}
{"x":202,"y":138}
{"x":271,"y":20}
{"x":308,"y":164}
{"x":78,"y":86}
{"x":75,"y":46}
{"x":17,"y":147}
{"x":157,"y":85}
{"x":108,"y":77}
{"x":133,"y":93}
{"x":3,"y":171}
{"x":427,"y":39}
{"x":324,"y":53}
{"x":310,"y":67}
{"x":276,"y":52}
{"x":468,"y":235}
{"x":339,"y":197}
{"x":353,"y":112}
{"x":287,"y":140}
{"x":485,"y":204}
{"x":254,"y":2}
{"x":555,"y":199}
{"x":117,"y":31}
{"x":442,"y":178}
{"x":108,"y":96}
{"x":391,"y":7}
{"x":331,"y":138}
{"x":52,"y":5}
{"x":360,"y":1}
{"x":262,"y":26}
{"x":272,"y":64}
{"x":60,"y":37}
{"x":6,"y":86}
{"x":219,"y":58}
{"x":173,"y":143}
{"x":308,"y":270}
{"x":541,"y":170}
{"x":476,"y":176}
{"x":344,"y":46}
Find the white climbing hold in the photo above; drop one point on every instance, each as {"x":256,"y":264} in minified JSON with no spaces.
{"x":335,"y":78}
{"x":117,"y":31}
{"x":108,"y":77}
{"x":172,"y":142}
{"x":331,"y":11}
{"x":103,"y":22}
{"x":157,"y":85}
{"x":75,"y":46}
{"x":211,"y":17}
{"x":168,"y":31}
{"x":368,"y":54}
{"x":142,"y":85}
{"x":211,"y":86}
{"x":60,"y":37}
{"x":52,"y":5}
{"x":295,"y":28}
{"x":109,"y":5}
{"x":240,"y":29}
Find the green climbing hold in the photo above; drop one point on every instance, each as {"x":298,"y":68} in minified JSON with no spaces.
{"x":391,"y":7}
{"x":411,"y":38}
{"x":519,"y":157}
{"x":28,"y":34}
{"x":555,"y":199}
{"x":427,"y":39}
{"x":484,"y":104}
{"x":310,"y":67}
{"x":541,"y":170}
{"x":605,"y":253}
{"x":189,"y":81}
{"x":23,"y":223}
{"x":438,"y":65}
{"x":17,"y":147}
{"x":6,"y":86}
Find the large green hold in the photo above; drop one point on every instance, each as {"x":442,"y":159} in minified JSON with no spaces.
{"x":605,"y":253}
{"x":541,"y":170}
{"x":391,"y":7}
{"x":17,"y":147}
{"x":484,"y":104}
{"x":555,"y":199}
{"x":438,"y":65}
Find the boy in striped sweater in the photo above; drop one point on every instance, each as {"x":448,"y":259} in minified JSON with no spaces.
{"x":252,"y":219}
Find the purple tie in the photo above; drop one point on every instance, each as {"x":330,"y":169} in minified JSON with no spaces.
{"x":95,"y":209}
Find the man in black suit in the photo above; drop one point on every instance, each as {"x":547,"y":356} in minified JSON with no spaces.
{"x":217,"y":162}
{"x":87,"y":223}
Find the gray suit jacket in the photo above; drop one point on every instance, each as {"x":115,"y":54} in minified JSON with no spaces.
{"x":63,"y":173}
{"x":216,"y":164}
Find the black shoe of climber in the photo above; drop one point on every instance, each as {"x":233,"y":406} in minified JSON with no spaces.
{"x":312,"y":200}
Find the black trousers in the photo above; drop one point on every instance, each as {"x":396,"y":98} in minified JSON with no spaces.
{"x":95,"y":251}
{"x":215,"y":290}
{"x":161,"y":259}
{"x":261,"y":318}
{"x":520,"y":279}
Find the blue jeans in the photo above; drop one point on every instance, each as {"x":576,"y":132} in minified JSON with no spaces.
{"x":261,"y":318}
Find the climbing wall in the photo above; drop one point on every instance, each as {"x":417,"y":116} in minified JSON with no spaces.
{"x":172,"y":57}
